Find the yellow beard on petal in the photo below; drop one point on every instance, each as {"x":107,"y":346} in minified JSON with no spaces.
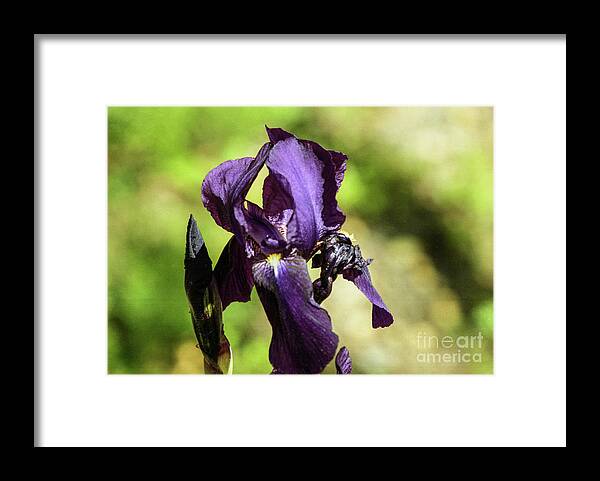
{"x":273,"y":260}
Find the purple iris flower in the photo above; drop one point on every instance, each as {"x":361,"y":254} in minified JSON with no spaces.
{"x":271,"y":245}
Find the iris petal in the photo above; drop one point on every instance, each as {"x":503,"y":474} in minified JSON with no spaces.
{"x":298,"y":176}
{"x":343,"y":361}
{"x":339,"y":166}
{"x":276,"y":195}
{"x":226,"y":186}
{"x":338,"y":159}
{"x":233,"y":274}
{"x":276,"y":134}
{"x":261,"y":229}
{"x":381,"y":315}
{"x":334,"y":169}
{"x":219,"y":189}
{"x":303,"y":341}
{"x":304,"y":177}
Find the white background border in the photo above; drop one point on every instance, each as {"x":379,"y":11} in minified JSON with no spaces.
{"x":523,"y":403}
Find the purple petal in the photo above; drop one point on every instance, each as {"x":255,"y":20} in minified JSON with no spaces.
{"x":337,"y":158}
{"x":339,"y":166}
{"x":233,"y":274}
{"x":381,"y":315}
{"x":343,"y":361}
{"x":276,"y":195}
{"x":306,"y":182}
{"x":334,"y":168}
{"x":276,"y":135}
{"x":226,"y":186}
{"x":303,"y":341}
{"x":260,"y":228}
{"x":305,"y":177}
{"x":219,"y":187}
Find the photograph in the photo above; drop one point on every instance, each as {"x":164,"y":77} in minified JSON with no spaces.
{"x":300,"y":240}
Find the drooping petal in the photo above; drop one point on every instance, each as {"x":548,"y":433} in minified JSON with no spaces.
{"x":381,"y":315}
{"x":343,"y":361}
{"x":304,"y":177}
{"x":303,"y":341}
{"x":226,"y":186}
{"x":233,"y":274}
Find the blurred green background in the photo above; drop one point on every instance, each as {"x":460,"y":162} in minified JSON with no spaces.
{"x":418,"y":196}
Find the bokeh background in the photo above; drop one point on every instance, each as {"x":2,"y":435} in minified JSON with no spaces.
{"x":418,"y":196}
